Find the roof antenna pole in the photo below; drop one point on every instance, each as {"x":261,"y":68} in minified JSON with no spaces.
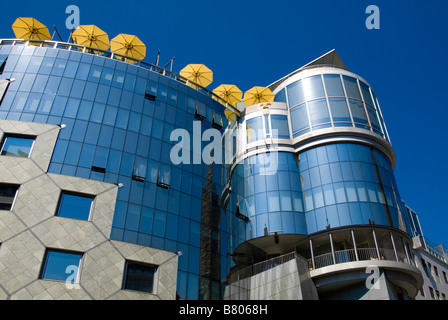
{"x":70,"y":36}
{"x":170,"y":62}
{"x":56,"y":31}
{"x":157,"y":59}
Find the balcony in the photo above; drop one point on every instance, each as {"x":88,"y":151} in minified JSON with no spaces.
{"x":351,"y":255}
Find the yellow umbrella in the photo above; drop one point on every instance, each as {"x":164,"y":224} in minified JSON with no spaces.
{"x":198,"y":73}
{"x":229,"y":93}
{"x":30,"y":28}
{"x":128,"y":45}
{"x":229,"y":114}
{"x":257,"y":95}
{"x":91,"y":36}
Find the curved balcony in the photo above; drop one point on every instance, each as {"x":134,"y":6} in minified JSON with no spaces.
{"x":351,"y":255}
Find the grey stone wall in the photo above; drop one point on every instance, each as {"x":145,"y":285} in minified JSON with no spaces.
{"x":31,"y":227}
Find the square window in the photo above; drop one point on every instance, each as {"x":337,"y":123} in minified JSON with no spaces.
{"x":17,"y":146}
{"x":75,"y":206}
{"x":7,"y":195}
{"x":61,"y":265}
{"x":139,"y":277}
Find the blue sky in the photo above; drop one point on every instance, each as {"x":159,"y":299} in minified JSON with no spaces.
{"x":250,"y":43}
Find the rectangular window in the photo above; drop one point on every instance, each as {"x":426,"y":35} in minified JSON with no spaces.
{"x":339,"y":110}
{"x":17,"y":146}
{"x":75,"y":206}
{"x":139,"y":277}
{"x":351,"y":87}
{"x":358,"y":112}
{"x":254,"y":129}
{"x":150,"y":97}
{"x":217,"y":121}
{"x":313,"y":87}
{"x":333,"y":85}
{"x":280,"y":127}
{"x":200,"y":112}
{"x":139,"y":172}
{"x":299,"y":118}
{"x":164,"y":176}
{"x":318,"y":112}
{"x":61,"y":265}
{"x":295,"y":94}
{"x":7,"y":195}
{"x":445,"y":276}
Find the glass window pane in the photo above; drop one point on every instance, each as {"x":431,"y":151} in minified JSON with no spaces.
{"x":333,"y":85}
{"x":366,"y":93}
{"x":358,"y":112}
{"x":57,"y":265}
{"x":17,"y":146}
{"x":75,"y":206}
{"x":374,"y":119}
{"x":280,"y":127}
{"x":299,"y":118}
{"x":7,"y":195}
{"x":351,"y":86}
{"x":254,"y":129}
{"x":295,"y":94}
{"x":280,"y":96}
{"x":339,"y":110}
{"x":319,"y":112}
{"x":313,"y":87}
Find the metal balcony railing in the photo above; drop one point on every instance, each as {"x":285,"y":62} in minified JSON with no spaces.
{"x":350,"y":255}
{"x":115,"y":56}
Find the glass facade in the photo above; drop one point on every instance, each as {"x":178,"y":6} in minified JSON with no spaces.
{"x":118,"y":119}
{"x":331,"y":100}
{"x":349,"y":184}
{"x":266,"y":189}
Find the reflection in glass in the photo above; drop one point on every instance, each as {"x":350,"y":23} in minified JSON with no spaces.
{"x":17,"y":146}
{"x":57,"y":263}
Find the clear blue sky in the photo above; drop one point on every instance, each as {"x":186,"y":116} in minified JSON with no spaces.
{"x":250,"y":43}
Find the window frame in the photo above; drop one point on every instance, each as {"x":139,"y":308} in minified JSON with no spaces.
{"x":143,"y":264}
{"x":77,"y":194}
{"x":45,"y":264}
{"x":7,"y":135}
{"x":15,"y":195}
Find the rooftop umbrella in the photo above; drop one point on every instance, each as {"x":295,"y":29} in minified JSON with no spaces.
{"x":198,"y":73}
{"x":229,"y":93}
{"x":30,"y":28}
{"x":258,"y":95}
{"x":91,"y":36}
{"x":128,"y":45}
{"x":229,"y":114}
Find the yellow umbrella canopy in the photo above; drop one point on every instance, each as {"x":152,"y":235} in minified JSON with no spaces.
{"x":91,"y":36}
{"x":230,"y":115}
{"x":229,"y":93}
{"x":257,"y":95}
{"x":128,"y":45}
{"x":30,"y":28}
{"x":197,"y":73}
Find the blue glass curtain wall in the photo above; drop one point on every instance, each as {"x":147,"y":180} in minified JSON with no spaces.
{"x":114,"y":134}
{"x":331,"y":100}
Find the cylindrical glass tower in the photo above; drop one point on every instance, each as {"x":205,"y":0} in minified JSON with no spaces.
{"x":314,"y":175}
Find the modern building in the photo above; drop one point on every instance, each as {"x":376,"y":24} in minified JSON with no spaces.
{"x":304,"y":206}
{"x":314,"y":176}
{"x":86,"y":180}
{"x":432,"y":261}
